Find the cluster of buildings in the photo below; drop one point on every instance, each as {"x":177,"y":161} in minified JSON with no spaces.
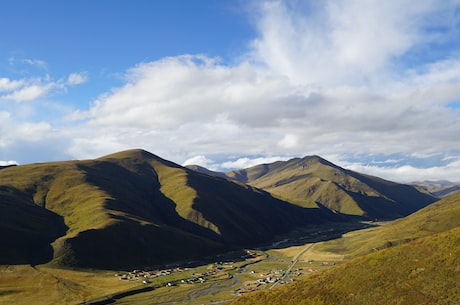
{"x":145,"y":275}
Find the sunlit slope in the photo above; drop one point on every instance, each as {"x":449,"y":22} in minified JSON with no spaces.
{"x":313,"y":181}
{"x":424,"y":271}
{"x":438,"y":217}
{"x":413,"y":260}
{"x":133,"y":208}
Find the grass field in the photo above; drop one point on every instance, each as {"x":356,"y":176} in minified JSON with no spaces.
{"x":23,"y":284}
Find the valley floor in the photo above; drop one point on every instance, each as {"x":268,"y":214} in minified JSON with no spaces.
{"x":290,"y":258}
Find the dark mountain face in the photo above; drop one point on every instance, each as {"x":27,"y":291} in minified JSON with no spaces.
{"x":26,"y":229}
{"x":134,"y":208}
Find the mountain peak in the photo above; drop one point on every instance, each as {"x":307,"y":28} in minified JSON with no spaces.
{"x":130,"y":154}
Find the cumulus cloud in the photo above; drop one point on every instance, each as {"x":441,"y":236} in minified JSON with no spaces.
{"x":6,"y":163}
{"x":409,"y":173}
{"x":322,"y":77}
{"x":344,"y":42}
{"x":31,"y":89}
{"x":249,"y":162}
{"x":27,"y":93}
{"x":12,"y":130}
{"x":7,"y":85}
{"x":201,"y":161}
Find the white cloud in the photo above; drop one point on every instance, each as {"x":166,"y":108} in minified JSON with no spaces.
{"x":6,"y":163}
{"x":12,"y":130}
{"x":249,"y":162}
{"x":322,"y":77}
{"x":289,"y":141}
{"x":33,"y":88}
{"x":343,"y":42}
{"x":201,"y":161}
{"x":8,"y":85}
{"x":188,"y":106}
{"x":77,"y":78}
{"x":27,"y":93}
{"x":408,"y":173}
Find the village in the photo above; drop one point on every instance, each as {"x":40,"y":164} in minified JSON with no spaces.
{"x":245,"y":272}
{"x":178,"y":274}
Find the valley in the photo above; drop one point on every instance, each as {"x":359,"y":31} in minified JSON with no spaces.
{"x":215,"y":280}
{"x":133,"y":228}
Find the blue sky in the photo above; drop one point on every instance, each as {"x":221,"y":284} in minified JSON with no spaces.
{"x":373,"y":86}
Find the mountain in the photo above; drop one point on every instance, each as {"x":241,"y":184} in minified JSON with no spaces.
{"x":313,"y":181}
{"x":424,"y":269}
{"x":440,"y":188}
{"x":133,"y":209}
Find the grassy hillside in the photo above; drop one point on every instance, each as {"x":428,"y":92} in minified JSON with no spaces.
{"x":313,"y":181}
{"x":438,"y":217}
{"x":424,"y":269}
{"x":133,"y":208}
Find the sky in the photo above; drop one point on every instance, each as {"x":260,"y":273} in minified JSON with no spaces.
{"x":370,"y":85}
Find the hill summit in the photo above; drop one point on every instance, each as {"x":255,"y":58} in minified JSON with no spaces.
{"x":315,"y":182}
{"x":133,"y":208}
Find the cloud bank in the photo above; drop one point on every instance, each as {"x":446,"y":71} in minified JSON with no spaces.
{"x":340,"y":79}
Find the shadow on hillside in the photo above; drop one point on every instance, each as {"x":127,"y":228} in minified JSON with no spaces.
{"x":26,"y":229}
{"x":314,"y":234}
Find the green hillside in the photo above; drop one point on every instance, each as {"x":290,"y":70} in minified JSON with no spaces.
{"x":438,"y":217}
{"x":313,"y":181}
{"x":133,"y":208}
{"x":424,"y":269}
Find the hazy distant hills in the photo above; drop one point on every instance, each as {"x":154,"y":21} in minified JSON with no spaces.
{"x":312,"y":181}
{"x":133,"y":208}
{"x":438,"y":188}
{"x":417,"y":262}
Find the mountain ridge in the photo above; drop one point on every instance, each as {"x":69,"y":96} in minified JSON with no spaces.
{"x":313,"y":181}
{"x":135,"y":208}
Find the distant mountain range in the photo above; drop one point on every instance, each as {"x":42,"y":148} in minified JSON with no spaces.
{"x":440,"y":188}
{"x":134,"y":208}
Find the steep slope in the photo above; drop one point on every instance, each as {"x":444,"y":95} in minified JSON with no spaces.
{"x":425,"y":269}
{"x":134,"y":208}
{"x":425,"y":272}
{"x":26,"y":229}
{"x":313,"y":181}
{"x":438,"y":217}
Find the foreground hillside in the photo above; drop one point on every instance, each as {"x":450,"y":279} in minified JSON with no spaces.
{"x":130,"y":209}
{"x":438,"y":217}
{"x":312,"y":181}
{"x":420,"y":266}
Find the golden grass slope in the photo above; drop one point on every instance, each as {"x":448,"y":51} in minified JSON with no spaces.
{"x":435,"y":218}
{"x":313,"y":181}
{"x":423,"y":269}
